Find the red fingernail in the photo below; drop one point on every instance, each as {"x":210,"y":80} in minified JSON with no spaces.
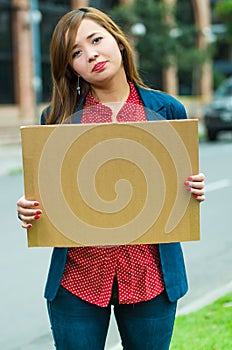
{"x":186,"y":183}
{"x":36,"y":217}
{"x":36,"y":204}
{"x":188,"y":189}
{"x":29,"y":225}
{"x":38,"y":212}
{"x":195,"y":195}
{"x":190,"y":178}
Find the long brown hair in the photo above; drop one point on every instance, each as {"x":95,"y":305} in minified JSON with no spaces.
{"x":64,"y":94}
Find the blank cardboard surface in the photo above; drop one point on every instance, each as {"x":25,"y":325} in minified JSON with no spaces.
{"x":111,"y":184}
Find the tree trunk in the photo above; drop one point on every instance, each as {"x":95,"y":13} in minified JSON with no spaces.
{"x":203,"y":22}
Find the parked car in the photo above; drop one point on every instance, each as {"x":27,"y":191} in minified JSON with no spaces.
{"x":218,"y":114}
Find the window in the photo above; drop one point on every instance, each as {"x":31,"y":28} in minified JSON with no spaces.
{"x":6,"y":56}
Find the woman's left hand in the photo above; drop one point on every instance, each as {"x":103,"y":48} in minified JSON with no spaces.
{"x":196,"y":185}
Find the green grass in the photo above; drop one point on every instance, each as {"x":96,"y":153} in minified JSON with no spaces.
{"x":207,"y":329}
{"x":16,"y":171}
{"x":202,"y":136}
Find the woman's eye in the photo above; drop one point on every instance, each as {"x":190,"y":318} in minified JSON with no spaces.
{"x":96,"y":40}
{"x":76,"y":53}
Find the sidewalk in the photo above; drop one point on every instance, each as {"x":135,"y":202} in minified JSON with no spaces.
{"x":10,"y":125}
{"x":9,"y":133}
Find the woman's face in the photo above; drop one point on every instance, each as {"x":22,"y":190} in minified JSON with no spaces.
{"x":96,"y":56}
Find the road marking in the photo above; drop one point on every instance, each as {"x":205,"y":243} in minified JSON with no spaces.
{"x":217,"y":185}
{"x":116,"y":347}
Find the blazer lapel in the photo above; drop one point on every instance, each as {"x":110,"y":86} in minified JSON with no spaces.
{"x":155,"y":109}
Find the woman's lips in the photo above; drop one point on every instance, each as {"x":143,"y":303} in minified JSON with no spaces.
{"x":99,"y":66}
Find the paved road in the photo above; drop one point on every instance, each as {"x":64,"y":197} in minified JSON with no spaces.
{"x":209,"y":261}
{"x":23,"y":321}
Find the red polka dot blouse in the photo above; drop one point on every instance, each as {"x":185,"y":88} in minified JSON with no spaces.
{"x":90,"y":271}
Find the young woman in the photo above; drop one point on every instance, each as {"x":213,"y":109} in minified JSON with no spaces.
{"x":92,"y":66}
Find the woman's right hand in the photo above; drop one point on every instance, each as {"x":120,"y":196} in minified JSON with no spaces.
{"x":28,"y":211}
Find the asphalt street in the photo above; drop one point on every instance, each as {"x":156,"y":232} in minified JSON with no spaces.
{"x":23,"y":321}
{"x":209,"y":261}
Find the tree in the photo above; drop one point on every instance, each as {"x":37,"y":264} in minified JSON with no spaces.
{"x":224,"y":11}
{"x":163,"y":39}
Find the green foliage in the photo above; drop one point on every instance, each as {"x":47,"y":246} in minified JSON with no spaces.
{"x":163,"y":39}
{"x":223,"y":10}
{"x":224,"y":7}
{"x":206,"y":329}
{"x":156,"y":43}
{"x":16,"y":171}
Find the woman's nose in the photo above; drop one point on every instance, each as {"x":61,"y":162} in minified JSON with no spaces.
{"x":92,"y":55}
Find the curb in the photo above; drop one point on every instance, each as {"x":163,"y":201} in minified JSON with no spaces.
{"x":205,"y":300}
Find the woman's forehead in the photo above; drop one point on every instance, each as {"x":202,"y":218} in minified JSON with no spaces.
{"x":87,"y":27}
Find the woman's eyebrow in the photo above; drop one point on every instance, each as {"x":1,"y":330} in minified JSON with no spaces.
{"x":88,"y":37}
{"x":91,"y":35}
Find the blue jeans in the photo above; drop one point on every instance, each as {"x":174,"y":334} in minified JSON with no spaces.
{"x":79,"y":325}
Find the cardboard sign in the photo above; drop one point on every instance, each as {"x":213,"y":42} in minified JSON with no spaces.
{"x":111,"y":184}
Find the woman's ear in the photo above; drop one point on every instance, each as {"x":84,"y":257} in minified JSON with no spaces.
{"x":121,"y":47}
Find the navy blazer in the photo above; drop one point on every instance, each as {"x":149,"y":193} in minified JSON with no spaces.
{"x":171,"y":256}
